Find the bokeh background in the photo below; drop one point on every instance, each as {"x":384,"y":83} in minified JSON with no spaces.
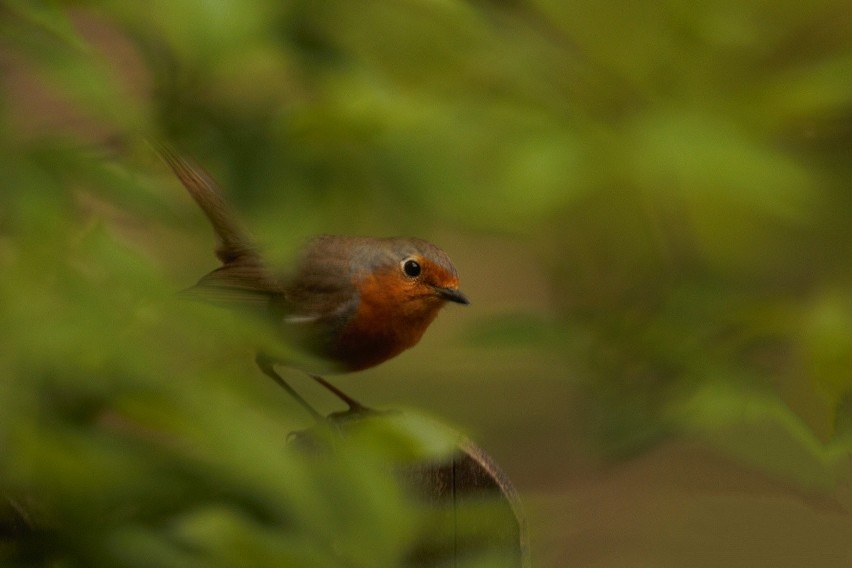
{"x":649,"y":205}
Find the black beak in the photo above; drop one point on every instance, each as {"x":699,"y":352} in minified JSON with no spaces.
{"x":452,"y":295}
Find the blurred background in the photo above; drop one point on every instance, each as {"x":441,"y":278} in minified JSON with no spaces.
{"x":648,"y":203}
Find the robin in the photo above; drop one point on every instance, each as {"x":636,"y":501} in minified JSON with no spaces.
{"x":350,"y":304}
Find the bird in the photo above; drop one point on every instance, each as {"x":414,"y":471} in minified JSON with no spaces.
{"x":348,"y":304}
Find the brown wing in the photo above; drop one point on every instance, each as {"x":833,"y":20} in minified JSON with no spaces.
{"x":235,"y":285}
{"x":321,"y":289}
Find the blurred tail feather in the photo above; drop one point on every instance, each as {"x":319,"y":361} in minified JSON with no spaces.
{"x":243,"y":277}
{"x":235,"y":243}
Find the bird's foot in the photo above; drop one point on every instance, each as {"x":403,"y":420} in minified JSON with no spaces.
{"x":336,"y":424}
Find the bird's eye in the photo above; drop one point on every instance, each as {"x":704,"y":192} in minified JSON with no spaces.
{"x":411,"y":268}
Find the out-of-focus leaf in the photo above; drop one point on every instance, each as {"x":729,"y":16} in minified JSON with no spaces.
{"x":758,"y":429}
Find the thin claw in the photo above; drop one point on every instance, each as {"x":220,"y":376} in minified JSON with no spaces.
{"x":266,"y":365}
{"x":354,"y":405}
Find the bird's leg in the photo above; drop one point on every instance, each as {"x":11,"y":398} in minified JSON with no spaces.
{"x":267,"y":366}
{"x":355,"y":407}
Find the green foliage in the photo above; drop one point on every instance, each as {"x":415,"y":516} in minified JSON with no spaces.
{"x":758,"y":429}
{"x":679,"y":171}
{"x":133,"y":451}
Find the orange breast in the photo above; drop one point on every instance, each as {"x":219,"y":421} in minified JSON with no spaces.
{"x":391,"y":317}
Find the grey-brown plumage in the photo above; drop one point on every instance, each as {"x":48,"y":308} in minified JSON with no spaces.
{"x":352,"y":302}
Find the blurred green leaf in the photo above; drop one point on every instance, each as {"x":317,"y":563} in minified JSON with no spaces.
{"x":758,"y":429}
